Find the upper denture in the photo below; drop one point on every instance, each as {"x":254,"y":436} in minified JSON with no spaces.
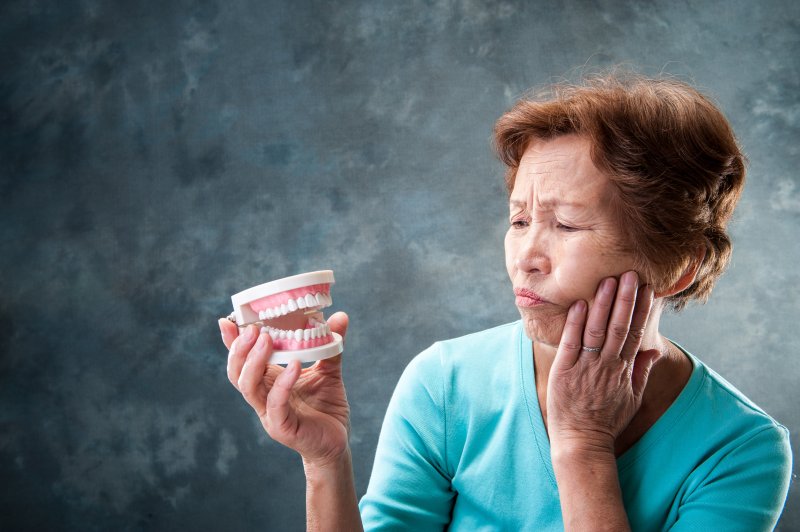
{"x":312,"y":296}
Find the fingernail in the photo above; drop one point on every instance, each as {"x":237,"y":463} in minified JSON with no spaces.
{"x":579,"y":306}
{"x":608,"y":285}
{"x":630,"y":278}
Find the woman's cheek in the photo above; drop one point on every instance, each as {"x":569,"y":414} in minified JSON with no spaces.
{"x":576,"y":282}
{"x":510,"y":252}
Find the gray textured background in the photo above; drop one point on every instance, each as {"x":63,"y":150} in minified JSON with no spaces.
{"x":158,"y":156}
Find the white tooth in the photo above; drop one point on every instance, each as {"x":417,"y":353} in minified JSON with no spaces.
{"x":320,"y":299}
{"x":328,"y":300}
{"x":310,"y":301}
{"x":284,"y":309}
{"x":262,"y":314}
{"x":276,"y":311}
{"x":301,"y":302}
{"x":282,"y":334}
{"x":292,"y":305}
{"x":306,"y":334}
{"x":268,"y":314}
{"x":327,"y":330}
{"x":273,"y":333}
{"x":314,"y":332}
{"x":298,"y":334}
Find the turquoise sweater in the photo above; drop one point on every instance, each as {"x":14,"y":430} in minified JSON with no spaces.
{"x":463,"y":445}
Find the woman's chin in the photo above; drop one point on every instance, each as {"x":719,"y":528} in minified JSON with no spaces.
{"x":545,"y":331}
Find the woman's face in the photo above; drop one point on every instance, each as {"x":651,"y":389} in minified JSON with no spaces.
{"x":563,"y":238}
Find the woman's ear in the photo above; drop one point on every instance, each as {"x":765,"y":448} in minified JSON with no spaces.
{"x":687,"y":278}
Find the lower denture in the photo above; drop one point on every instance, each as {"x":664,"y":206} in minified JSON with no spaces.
{"x":290,"y":342}
{"x":285,"y":344}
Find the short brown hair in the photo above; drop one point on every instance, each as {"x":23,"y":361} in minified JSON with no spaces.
{"x":669,"y":151}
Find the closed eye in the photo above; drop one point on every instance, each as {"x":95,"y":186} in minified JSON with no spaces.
{"x":567,"y":228}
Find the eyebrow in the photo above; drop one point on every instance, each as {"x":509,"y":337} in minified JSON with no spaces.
{"x":547,"y":203}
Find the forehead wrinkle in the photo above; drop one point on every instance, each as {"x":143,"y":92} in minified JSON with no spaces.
{"x":544,"y":166}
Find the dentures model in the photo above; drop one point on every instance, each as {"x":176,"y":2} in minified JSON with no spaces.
{"x":289,"y":310}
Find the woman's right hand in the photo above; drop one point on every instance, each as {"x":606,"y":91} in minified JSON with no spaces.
{"x":304,"y":409}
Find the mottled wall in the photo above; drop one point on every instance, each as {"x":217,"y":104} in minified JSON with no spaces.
{"x":156,"y":157}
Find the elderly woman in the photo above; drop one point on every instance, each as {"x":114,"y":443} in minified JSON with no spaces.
{"x":582,"y":415}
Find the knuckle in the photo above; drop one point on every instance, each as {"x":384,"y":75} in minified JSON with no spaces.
{"x":570,"y":345}
{"x":574,"y":321}
{"x":619,"y":331}
{"x":595,"y":333}
{"x":627,"y":297}
{"x":636,"y":333}
{"x":241,"y":385}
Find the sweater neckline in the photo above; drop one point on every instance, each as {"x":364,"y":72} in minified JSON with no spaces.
{"x":663,"y":424}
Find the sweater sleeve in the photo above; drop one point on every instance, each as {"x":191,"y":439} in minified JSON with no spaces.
{"x":745,"y":490}
{"x":410,"y":485}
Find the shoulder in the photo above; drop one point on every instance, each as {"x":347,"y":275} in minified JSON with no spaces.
{"x":734,"y":424}
{"x":726,"y":449}
{"x":474,"y":353}
{"x":718,"y":397}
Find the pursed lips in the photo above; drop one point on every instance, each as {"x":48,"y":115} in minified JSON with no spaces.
{"x":528,"y":298}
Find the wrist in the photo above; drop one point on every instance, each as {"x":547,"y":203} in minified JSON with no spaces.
{"x":329,"y":469}
{"x":582,"y":451}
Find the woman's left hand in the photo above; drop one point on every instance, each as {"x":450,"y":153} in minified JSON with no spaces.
{"x":592,"y":394}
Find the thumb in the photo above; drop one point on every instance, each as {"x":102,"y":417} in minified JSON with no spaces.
{"x":338,"y":323}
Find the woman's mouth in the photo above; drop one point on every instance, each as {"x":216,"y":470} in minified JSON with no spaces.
{"x":528,"y":298}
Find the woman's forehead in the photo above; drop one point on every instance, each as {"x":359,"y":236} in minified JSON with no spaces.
{"x":559,"y":171}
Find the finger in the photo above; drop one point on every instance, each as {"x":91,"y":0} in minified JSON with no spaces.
{"x":641,"y":370}
{"x":240,"y":347}
{"x":251,"y":379}
{"x":338,"y":323}
{"x":280,"y":416}
{"x":597,"y":322}
{"x":569,"y":348}
{"x":641,"y":312}
{"x":620,"y":322}
{"x":229,"y":331}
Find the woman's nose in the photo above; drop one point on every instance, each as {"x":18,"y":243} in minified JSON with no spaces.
{"x":533,"y":255}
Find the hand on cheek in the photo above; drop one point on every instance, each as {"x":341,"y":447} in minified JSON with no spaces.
{"x":598,"y":376}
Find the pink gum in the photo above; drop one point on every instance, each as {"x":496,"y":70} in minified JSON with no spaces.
{"x":276,"y":300}
{"x":285,"y":344}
